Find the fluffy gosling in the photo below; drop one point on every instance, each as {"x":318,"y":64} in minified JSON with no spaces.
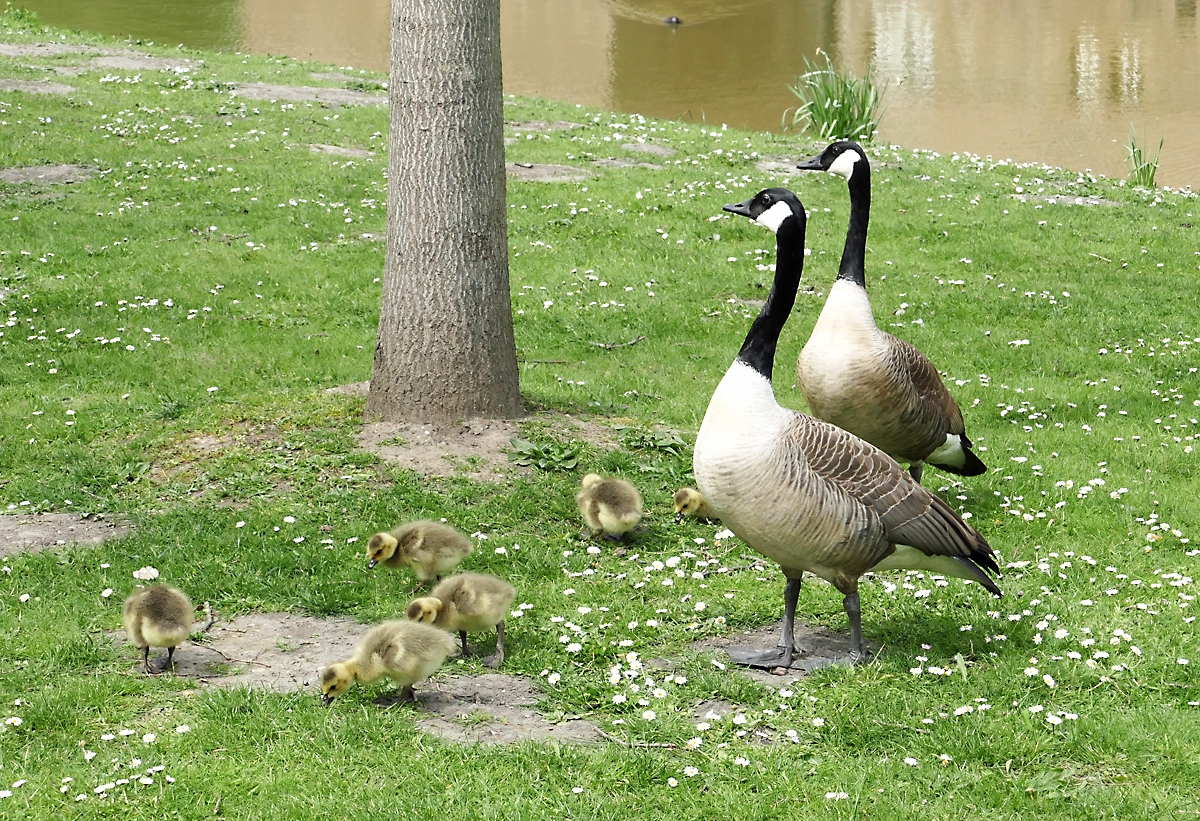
{"x":405,"y":651}
{"x":468,"y":603}
{"x":159,"y":616}
{"x":611,"y":507}
{"x":689,"y":502}
{"x":427,"y":548}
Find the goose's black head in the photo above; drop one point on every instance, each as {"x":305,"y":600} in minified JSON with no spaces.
{"x":773,"y":207}
{"x":842,"y":158}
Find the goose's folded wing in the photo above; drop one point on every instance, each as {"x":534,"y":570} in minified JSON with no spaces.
{"x":936,"y":406}
{"x":909,"y":513}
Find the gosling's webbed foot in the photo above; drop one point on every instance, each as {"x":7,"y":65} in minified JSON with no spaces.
{"x":405,"y":696}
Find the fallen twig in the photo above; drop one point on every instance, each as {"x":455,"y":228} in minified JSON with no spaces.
{"x":543,"y":361}
{"x":608,"y":346}
{"x":232,"y":660}
{"x":1097,"y":256}
{"x":208,"y":613}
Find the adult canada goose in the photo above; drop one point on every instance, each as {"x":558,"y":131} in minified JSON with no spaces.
{"x":467,"y":603}
{"x":406,"y":651}
{"x":159,"y":616}
{"x":863,"y":379}
{"x":612,"y":507}
{"x":429,"y":549}
{"x":690,"y":502}
{"x":804,"y":492}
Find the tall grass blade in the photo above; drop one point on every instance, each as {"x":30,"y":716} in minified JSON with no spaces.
{"x":835,"y":104}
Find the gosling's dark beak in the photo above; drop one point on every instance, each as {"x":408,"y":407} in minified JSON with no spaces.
{"x":811,"y":164}
{"x":326,"y":699}
{"x":679,"y":517}
{"x":742,"y":208}
{"x":371,"y":564}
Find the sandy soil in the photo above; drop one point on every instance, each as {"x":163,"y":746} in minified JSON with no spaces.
{"x":42,"y":530}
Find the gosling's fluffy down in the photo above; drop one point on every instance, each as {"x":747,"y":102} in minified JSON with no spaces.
{"x":689,"y":502}
{"x":159,"y":616}
{"x":406,"y":651}
{"x":468,"y":603}
{"x":612,"y":507}
{"x":427,"y":548}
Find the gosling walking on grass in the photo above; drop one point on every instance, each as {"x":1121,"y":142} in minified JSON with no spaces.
{"x":429,"y":549}
{"x":610,"y":507}
{"x":159,"y":616}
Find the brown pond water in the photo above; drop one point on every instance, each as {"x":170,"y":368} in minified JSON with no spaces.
{"x":1059,"y":83}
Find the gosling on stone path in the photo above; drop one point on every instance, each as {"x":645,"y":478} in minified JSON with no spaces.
{"x":611,"y":507}
{"x":467,"y":603}
{"x":690,"y":502}
{"x":429,"y":549}
{"x":159,"y":616}
{"x":405,"y":651}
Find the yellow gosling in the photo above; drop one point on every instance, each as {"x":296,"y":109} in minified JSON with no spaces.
{"x":405,"y":651}
{"x":468,"y":603}
{"x":429,"y":549}
{"x":611,"y":507}
{"x":159,"y":616}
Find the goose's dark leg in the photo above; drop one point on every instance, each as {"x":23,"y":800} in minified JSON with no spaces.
{"x":465,"y":652}
{"x":146,"y":660}
{"x":853,"y":610}
{"x":782,"y":655}
{"x":915,"y":470}
{"x":495,"y":661}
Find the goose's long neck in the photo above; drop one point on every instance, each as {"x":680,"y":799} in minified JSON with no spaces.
{"x":853,"y":267}
{"x":758,"y":351}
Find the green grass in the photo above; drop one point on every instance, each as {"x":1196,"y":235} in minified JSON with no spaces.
{"x":835,"y":104}
{"x":1105,"y":296}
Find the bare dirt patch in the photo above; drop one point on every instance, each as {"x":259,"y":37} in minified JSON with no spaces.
{"x":539,"y":172}
{"x":42,"y":530}
{"x":139,"y":62}
{"x":475,"y":448}
{"x":48,"y":174}
{"x":34,"y":86}
{"x":285,"y":652}
{"x":779,"y":165}
{"x":332,"y":97}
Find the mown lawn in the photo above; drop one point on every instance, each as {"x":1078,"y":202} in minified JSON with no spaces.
{"x":213,"y":276}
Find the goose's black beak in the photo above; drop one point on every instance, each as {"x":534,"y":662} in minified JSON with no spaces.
{"x":679,"y":517}
{"x":812,"y":164}
{"x":371,"y":564}
{"x":742,"y":208}
{"x":326,"y":700}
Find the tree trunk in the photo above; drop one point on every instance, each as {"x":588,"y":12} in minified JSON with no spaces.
{"x":445,"y":348}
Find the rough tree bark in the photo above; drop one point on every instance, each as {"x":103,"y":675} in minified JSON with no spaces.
{"x":445,"y":348}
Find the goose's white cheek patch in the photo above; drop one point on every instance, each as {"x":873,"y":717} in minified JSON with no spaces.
{"x":843,"y":166}
{"x":774,"y":216}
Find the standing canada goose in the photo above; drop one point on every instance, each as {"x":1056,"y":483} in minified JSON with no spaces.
{"x":428,"y":548}
{"x":406,"y":651}
{"x":804,"y":492}
{"x":159,"y":616}
{"x":609,"y":506}
{"x":468,"y":603}
{"x":689,"y":502}
{"x":865,"y":380}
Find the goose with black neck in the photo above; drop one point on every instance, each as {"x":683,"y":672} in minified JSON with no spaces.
{"x":863,"y":379}
{"x":805,"y":493}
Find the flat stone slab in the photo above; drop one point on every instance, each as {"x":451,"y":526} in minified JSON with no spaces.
{"x":615,"y":162}
{"x":140,"y":62}
{"x":538,"y":172}
{"x":308,"y":94}
{"x":817,"y":648}
{"x":34,"y":86}
{"x":541,"y":126}
{"x":650,"y":148}
{"x":38,"y":531}
{"x":54,"y":49}
{"x":50,"y":174}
